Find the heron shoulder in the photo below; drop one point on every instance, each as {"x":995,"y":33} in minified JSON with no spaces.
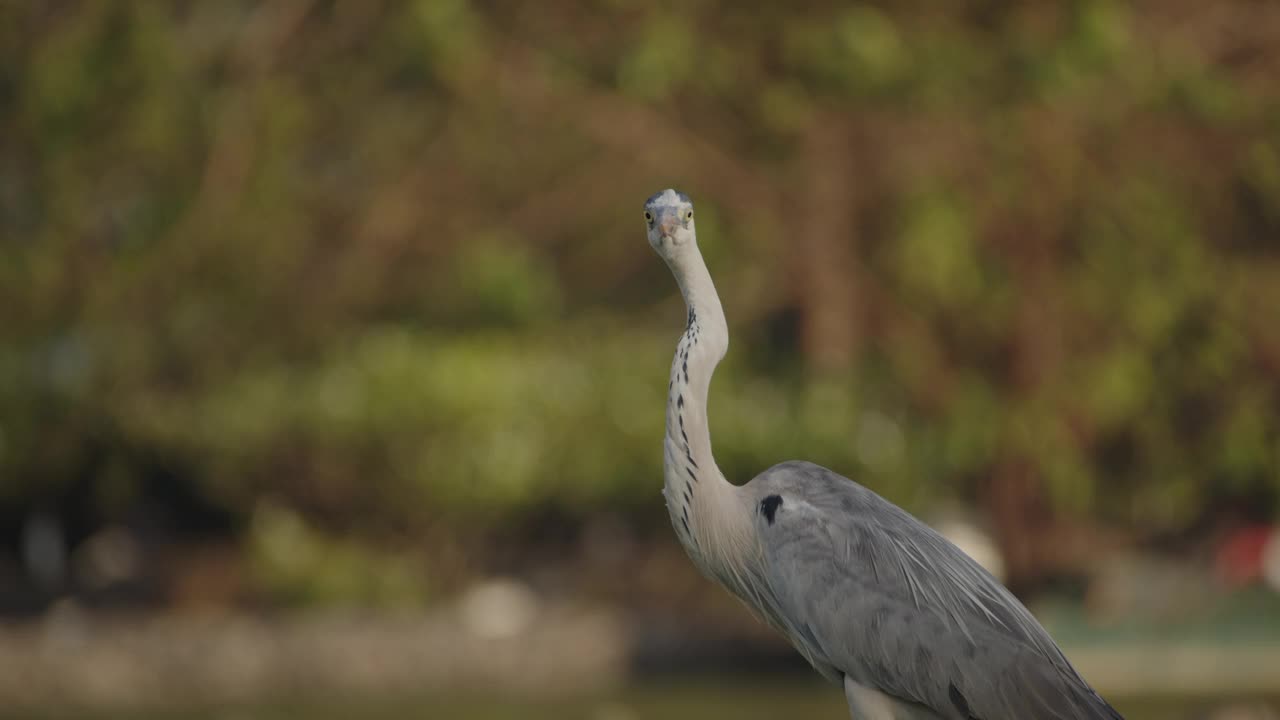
{"x":823,"y":489}
{"x":802,"y":476}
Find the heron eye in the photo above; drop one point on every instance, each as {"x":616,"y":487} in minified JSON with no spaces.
{"x":688,"y":215}
{"x":648,"y":217}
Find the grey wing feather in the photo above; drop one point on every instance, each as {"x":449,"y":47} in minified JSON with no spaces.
{"x":866,"y":590}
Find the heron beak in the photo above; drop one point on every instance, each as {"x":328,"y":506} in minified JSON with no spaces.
{"x":668,"y":224}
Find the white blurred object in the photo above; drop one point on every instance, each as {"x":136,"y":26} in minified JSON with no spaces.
{"x":975,"y":542}
{"x":498,"y":608}
{"x":110,"y":555}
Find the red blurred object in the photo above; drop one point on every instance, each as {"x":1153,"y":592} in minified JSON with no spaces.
{"x":1240,"y":557}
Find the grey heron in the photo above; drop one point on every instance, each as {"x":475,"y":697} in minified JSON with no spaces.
{"x":874,"y":599}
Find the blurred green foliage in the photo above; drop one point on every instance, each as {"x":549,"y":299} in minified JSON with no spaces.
{"x":381,"y":263}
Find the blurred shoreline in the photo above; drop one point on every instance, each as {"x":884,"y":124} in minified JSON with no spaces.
{"x":72,"y":658}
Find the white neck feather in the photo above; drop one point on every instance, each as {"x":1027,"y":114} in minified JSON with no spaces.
{"x":709,"y":514}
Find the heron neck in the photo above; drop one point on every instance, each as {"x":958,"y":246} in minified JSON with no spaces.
{"x":703,"y":505}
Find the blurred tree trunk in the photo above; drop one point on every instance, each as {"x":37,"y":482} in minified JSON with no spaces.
{"x":825,"y":272}
{"x":1019,"y":511}
{"x":1013,"y":505}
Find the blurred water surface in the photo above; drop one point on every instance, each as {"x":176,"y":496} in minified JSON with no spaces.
{"x":741,"y":698}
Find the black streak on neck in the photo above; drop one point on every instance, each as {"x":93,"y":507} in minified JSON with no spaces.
{"x":682,"y":352}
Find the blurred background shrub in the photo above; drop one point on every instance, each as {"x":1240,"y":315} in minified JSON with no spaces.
{"x":366,"y":280}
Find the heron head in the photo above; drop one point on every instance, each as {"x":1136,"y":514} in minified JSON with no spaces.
{"x":668,"y":215}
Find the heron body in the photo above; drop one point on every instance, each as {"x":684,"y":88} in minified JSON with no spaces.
{"x":879,"y":603}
